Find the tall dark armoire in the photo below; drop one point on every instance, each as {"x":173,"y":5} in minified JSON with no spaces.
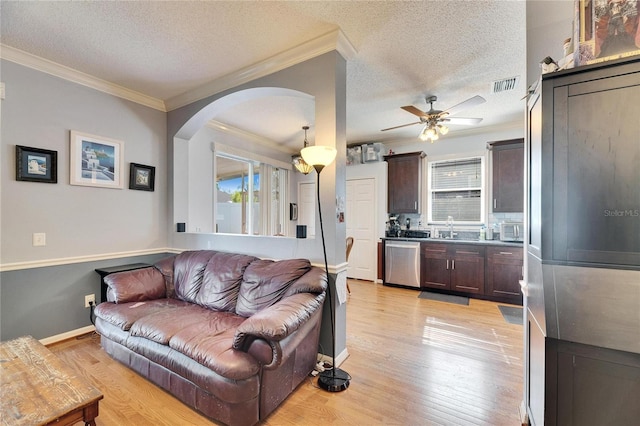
{"x":583,"y":247}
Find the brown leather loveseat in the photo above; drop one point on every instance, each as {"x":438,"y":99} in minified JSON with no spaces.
{"x":228,"y":334}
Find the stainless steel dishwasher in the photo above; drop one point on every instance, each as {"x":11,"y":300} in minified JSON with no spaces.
{"x":402,"y":263}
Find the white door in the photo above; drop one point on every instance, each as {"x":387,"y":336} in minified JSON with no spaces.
{"x":307,"y":207}
{"x":361,"y":220}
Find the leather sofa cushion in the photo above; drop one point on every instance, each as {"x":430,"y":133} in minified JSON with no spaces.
{"x":135,"y":286}
{"x":221,"y":281}
{"x":124,"y":315}
{"x":266,"y":281}
{"x":165,"y":266}
{"x":209,"y":342}
{"x":188,"y":270}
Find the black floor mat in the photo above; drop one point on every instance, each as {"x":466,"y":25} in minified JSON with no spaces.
{"x":511,"y":314}
{"x":449,"y":298}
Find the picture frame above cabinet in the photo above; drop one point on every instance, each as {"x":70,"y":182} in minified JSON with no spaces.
{"x":404,"y":178}
{"x":507,"y":164}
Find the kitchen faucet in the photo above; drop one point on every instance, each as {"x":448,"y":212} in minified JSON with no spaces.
{"x":450,"y":225}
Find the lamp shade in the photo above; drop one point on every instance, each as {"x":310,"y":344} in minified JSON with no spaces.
{"x":318,"y":155}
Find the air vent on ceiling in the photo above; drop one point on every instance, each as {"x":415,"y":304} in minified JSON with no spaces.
{"x":504,"y":85}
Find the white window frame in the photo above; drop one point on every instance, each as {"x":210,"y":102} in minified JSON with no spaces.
{"x":482,"y":188}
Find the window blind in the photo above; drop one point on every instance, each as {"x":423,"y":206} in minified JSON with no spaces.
{"x":456,"y":190}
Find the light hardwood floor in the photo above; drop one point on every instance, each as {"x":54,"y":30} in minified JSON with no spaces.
{"x":413,"y":362}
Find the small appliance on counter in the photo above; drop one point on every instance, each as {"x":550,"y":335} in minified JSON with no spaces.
{"x":393,"y":227}
{"x":511,"y":231}
{"x":416,"y":233}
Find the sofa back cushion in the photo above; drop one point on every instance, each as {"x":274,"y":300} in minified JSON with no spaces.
{"x":221,"y":281}
{"x":266,"y":281}
{"x":188,"y":270}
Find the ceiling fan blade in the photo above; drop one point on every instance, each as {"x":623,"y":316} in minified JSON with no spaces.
{"x":413,"y":110}
{"x":462,"y":120}
{"x":397,"y":127}
{"x":471,"y":102}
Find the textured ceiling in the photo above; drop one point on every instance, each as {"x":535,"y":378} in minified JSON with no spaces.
{"x":405,"y":51}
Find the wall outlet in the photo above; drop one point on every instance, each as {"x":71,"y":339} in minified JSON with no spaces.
{"x":39,"y":239}
{"x":89,"y":298}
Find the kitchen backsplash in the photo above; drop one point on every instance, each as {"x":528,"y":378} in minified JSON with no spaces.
{"x":417,"y":221}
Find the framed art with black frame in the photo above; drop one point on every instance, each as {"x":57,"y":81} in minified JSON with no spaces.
{"x":36,"y":165}
{"x":142,"y":177}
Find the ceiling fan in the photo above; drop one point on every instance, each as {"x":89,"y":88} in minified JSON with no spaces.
{"x":434,"y":120}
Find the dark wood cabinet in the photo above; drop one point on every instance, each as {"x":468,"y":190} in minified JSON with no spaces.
{"x":507,"y":162}
{"x":583,"y":155}
{"x":590,"y":167}
{"x":503,"y":273}
{"x":404,"y":182}
{"x":455,"y":267}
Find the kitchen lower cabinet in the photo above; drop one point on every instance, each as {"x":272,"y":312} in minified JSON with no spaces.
{"x":454,"y":267}
{"x":503,"y":273}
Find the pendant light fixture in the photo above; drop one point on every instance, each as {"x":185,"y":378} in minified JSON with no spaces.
{"x":298,"y":161}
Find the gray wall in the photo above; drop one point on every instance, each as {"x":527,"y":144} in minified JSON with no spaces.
{"x":549,"y":23}
{"x":47,"y":301}
{"x":39,"y":110}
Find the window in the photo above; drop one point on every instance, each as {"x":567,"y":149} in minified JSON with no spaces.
{"x":250,"y":197}
{"x":456,"y":190}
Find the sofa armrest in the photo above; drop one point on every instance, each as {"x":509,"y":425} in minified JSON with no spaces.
{"x":135,"y":286}
{"x":278,"y":322}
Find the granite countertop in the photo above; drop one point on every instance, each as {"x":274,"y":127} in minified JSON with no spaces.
{"x":458,"y":241}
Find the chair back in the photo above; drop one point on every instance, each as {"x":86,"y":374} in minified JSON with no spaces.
{"x":349,"y":246}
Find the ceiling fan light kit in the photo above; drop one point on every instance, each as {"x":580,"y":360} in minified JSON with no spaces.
{"x":433,"y":119}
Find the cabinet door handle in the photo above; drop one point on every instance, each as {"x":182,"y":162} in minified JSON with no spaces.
{"x":453,"y":264}
{"x":506,"y":252}
{"x":447,"y":264}
{"x":495,"y":203}
{"x":415,"y":205}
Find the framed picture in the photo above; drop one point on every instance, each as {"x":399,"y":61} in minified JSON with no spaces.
{"x":293,"y":211}
{"x":36,"y":165}
{"x":141,"y":177}
{"x":96,"y":161}
{"x":606,"y":30}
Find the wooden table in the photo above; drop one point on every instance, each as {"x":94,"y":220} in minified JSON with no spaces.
{"x":37,"y":388}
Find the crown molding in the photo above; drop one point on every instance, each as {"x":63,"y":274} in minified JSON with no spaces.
{"x":53,"y":68}
{"x":333,"y":40}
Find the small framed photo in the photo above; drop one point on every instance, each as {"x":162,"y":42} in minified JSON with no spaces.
{"x":36,"y":165}
{"x":293,"y":211}
{"x":142,"y":177}
{"x":96,"y":161}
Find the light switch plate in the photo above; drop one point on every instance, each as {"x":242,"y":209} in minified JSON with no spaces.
{"x":39,"y":239}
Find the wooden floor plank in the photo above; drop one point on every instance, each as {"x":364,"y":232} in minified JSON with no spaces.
{"x":413,"y":362}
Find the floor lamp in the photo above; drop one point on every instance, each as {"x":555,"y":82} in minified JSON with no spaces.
{"x":334,"y":380}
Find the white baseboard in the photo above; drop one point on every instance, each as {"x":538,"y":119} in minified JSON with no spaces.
{"x":340,"y":358}
{"x":67,"y":335}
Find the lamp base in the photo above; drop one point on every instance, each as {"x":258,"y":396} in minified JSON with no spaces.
{"x":331,"y":382}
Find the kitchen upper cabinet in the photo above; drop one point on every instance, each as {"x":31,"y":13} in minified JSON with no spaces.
{"x":586,"y":169}
{"x":455,"y":267}
{"x":404,"y":182}
{"x":503,"y":273}
{"x":507,"y":160}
